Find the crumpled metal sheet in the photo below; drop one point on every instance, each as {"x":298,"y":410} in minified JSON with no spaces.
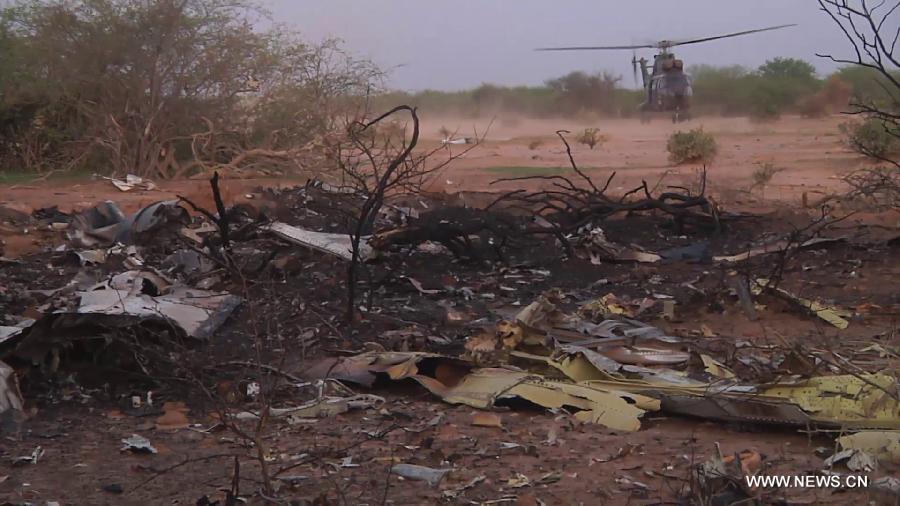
{"x":10,"y":332}
{"x":106,"y":224}
{"x":601,"y":392}
{"x":414,"y":472}
{"x":735,"y":408}
{"x":338,"y":245}
{"x":137,"y":444}
{"x":544,"y":315}
{"x":832,"y":315}
{"x":197,"y":312}
{"x":10,"y":397}
{"x":884,"y":445}
{"x":131,"y":182}
{"x":722,"y":399}
{"x":855,"y":460}
{"x":825,"y":401}
{"x":458,"y":382}
{"x":97,"y":225}
{"x":189,"y":262}
{"x":484,"y":388}
{"x":149,"y":219}
{"x":645,"y":355}
{"x":185,"y":311}
{"x":849,"y":401}
{"x":582,"y":364}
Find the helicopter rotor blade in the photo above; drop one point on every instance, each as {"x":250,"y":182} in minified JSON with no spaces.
{"x":671,"y":43}
{"x":664,"y":43}
{"x":595,"y":48}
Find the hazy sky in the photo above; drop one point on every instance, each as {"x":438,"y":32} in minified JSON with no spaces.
{"x":462,"y":43}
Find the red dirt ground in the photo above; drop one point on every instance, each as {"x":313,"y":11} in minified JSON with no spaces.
{"x":82,"y":443}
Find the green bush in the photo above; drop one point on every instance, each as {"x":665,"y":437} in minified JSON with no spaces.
{"x":765,"y":103}
{"x":868,"y":86}
{"x":872,"y":137}
{"x":692,"y":146}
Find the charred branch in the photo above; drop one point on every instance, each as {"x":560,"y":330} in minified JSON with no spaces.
{"x":564,"y":205}
{"x":464,"y":231}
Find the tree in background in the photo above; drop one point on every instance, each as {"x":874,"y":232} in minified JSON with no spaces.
{"x":789,"y":69}
{"x":578,"y":91}
{"x":131,"y":85}
{"x":718,"y":89}
{"x":779,"y":84}
{"x":872,"y":31}
{"x":868,"y":85}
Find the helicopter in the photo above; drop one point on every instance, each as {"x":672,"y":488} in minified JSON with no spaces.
{"x":667,"y":86}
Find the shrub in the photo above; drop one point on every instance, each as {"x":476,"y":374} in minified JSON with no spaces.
{"x":692,"y":146}
{"x":763,"y":174}
{"x":766,"y":100}
{"x":868,"y":86}
{"x":591,"y":137}
{"x":872,"y":137}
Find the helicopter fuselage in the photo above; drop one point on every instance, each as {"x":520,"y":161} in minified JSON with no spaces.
{"x":667,"y":87}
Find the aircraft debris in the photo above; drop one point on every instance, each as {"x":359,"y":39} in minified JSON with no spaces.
{"x":137,"y":444}
{"x":459,"y":383}
{"x":105,"y":224}
{"x":831,"y":315}
{"x":131,"y":182}
{"x":324,"y":407}
{"x":338,"y":245}
{"x":413,"y":472}
{"x":883,"y":445}
{"x":10,"y":396}
{"x":855,"y":460}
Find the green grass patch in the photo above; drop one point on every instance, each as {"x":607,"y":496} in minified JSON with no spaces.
{"x":20,"y":177}
{"x":11,"y":178}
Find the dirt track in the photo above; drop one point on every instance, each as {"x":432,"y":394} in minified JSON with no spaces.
{"x":809,"y":151}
